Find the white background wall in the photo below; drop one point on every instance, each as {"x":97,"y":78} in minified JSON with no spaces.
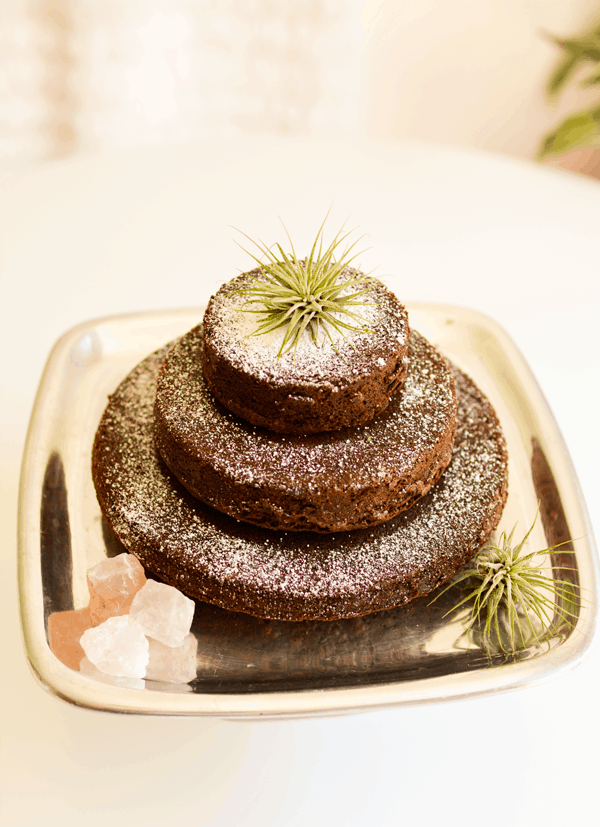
{"x":87,"y":75}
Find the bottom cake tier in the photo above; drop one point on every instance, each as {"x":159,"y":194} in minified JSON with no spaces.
{"x":290,"y":575}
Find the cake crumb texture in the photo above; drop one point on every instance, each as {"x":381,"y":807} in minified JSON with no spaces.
{"x":332,"y":481}
{"x":287,"y":575}
{"x":345,"y":379}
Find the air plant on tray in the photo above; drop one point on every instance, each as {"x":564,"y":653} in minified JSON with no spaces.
{"x":512,"y":604}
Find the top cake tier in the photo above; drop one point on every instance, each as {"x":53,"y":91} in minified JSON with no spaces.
{"x":339,"y":381}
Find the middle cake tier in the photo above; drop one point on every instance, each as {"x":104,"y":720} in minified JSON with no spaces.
{"x":334,"y":481}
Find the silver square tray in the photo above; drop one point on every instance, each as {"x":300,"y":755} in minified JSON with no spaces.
{"x":254,"y":668}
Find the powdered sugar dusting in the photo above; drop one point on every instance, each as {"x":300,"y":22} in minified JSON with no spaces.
{"x":330,"y":481}
{"x":232,"y":328}
{"x":286,"y":575}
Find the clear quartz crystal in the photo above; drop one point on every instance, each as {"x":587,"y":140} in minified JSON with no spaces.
{"x":117,"y":647}
{"x":172,"y":665}
{"x":163,"y":612}
{"x":113,"y":584}
{"x":86,"y":667}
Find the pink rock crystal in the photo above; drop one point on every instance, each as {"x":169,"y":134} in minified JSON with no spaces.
{"x":113,"y":584}
{"x":64,"y":632}
{"x":117,"y":647}
{"x":163,"y":612}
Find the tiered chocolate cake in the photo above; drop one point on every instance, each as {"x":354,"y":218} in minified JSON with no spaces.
{"x":347,"y":474}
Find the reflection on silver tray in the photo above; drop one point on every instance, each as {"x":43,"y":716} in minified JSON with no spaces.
{"x":248,"y":666}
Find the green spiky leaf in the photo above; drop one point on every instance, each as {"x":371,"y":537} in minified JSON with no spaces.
{"x":591,"y":80}
{"x":311,"y":294}
{"x":578,"y":52}
{"x":582,"y":129}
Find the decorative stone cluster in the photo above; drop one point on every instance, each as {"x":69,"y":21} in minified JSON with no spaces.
{"x":132,"y":628}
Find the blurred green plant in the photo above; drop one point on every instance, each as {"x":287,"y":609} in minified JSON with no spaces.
{"x":582,"y":128}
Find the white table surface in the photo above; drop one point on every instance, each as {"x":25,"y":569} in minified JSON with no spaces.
{"x":94,"y":236}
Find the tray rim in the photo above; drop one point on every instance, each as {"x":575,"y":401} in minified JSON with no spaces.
{"x":86,"y":692}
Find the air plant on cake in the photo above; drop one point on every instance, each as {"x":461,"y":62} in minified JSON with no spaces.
{"x":512,"y":605}
{"x":314,"y":294}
